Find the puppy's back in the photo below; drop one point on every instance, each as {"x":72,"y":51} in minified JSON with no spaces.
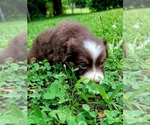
{"x":51,"y":44}
{"x":16,"y":49}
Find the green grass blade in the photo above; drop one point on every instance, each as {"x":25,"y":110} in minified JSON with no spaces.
{"x":102,"y":92}
{"x":116,"y":91}
{"x":80,"y":81}
{"x":138,"y":92}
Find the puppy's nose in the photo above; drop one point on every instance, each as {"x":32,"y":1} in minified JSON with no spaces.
{"x":97,"y":81}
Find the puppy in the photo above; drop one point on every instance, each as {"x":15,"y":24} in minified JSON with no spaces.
{"x":16,"y":49}
{"x":73,"y":43}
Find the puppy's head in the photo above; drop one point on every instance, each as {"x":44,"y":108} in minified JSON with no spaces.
{"x":89,"y":56}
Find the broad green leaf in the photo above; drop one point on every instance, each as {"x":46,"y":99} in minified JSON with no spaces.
{"x":93,"y":113}
{"x":53,"y":114}
{"x":32,"y":119}
{"x":92,"y":88}
{"x":38,"y":112}
{"x":14,"y":66}
{"x":82,"y":123}
{"x":86,"y":107}
{"x":16,"y":112}
{"x":71,"y":120}
{"x":80,"y":117}
{"x":62,"y":116}
{"x":49,"y":95}
{"x":8,"y":119}
{"x":97,"y":87}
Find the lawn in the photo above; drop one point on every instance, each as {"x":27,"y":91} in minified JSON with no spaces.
{"x":13,"y":77}
{"x":57,"y":97}
{"x":136,"y":72}
{"x":9,"y":30}
{"x":78,"y":10}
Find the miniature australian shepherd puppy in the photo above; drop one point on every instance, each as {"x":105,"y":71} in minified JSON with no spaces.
{"x":73,"y":43}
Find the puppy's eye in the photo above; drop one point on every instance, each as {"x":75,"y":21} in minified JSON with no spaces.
{"x":83,"y":66}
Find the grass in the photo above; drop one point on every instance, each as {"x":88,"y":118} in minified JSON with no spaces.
{"x":78,"y":10}
{"x":57,"y":97}
{"x":13,"y":94}
{"x":136,"y":72}
{"x":9,"y":30}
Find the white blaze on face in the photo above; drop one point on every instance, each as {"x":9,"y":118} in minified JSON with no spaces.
{"x":94,"y":50}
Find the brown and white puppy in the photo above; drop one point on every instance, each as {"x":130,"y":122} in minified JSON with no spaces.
{"x":73,"y":43}
{"x":16,"y":49}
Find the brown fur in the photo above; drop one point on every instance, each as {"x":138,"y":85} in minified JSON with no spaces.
{"x":64,"y":43}
{"x":16,"y":49}
{"x":56,"y":44}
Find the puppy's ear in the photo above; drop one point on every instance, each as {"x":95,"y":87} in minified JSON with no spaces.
{"x":71,"y":44}
{"x":105,"y":44}
{"x":69,"y":49}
